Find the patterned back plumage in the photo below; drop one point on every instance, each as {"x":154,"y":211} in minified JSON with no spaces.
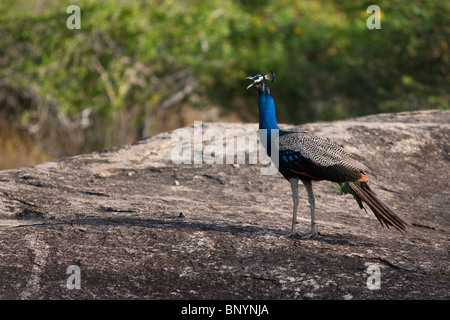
{"x":319,"y":150}
{"x":311,"y":157}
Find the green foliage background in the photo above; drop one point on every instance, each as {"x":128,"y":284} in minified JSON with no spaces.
{"x":131,"y":59}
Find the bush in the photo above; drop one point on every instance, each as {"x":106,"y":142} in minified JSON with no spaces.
{"x":133,"y":58}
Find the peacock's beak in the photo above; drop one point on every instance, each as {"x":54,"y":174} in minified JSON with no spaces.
{"x":250,"y":78}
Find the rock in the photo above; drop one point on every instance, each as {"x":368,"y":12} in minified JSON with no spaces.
{"x":138,"y":226}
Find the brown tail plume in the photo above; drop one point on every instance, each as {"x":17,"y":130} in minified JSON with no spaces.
{"x":385,"y":214}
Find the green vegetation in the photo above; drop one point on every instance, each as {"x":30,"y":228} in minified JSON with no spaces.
{"x":98,"y":86}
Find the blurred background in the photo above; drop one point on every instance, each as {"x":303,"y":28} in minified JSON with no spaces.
{"x":137,"y":68}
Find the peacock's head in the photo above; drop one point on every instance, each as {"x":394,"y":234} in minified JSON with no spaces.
{"x":260,"y":83}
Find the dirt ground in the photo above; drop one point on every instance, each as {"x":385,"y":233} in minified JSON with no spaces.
{"x":134,"y":225}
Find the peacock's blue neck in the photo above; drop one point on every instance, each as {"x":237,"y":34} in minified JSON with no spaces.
{"x":267,"y":119}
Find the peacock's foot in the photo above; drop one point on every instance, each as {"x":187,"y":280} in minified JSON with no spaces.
{"x":309,"y":235}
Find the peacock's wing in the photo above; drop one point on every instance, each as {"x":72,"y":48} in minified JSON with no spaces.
{"x":309,"y":156}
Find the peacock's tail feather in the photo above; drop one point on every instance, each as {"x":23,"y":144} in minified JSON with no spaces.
{"x":363,"y":194}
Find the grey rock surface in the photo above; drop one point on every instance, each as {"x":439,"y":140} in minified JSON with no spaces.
{"x":139,"y":226}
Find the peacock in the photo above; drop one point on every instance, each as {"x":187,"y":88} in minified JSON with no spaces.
{"x":306,"y":157}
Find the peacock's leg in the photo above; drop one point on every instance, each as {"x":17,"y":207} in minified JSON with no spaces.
{"x":312,"y":204}
{"x":295,"y":198}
